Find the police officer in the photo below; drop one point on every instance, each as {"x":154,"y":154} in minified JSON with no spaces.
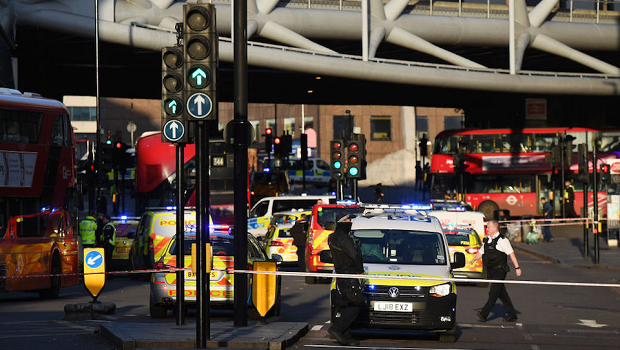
{"x":108,"y":239}
{"x":298,"y":232}
{"x":88,"y":229}
{"x":496,"y":250}
{"x":347,"y":296}
{"x":569,"y":200}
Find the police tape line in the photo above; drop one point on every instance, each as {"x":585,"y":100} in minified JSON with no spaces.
{"x":553,"y":222}
{"x":333,"y":275}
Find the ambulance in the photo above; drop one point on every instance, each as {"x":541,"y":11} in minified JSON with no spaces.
{"x":401,"y":242}
{"x":458,"y":213}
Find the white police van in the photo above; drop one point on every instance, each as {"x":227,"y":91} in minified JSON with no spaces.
{"x":317,"y":172}
{"x":400,"y":241}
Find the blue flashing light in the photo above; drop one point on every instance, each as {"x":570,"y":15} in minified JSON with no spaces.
{"x":417,"y":206}
{"x":266,"y":170}
{"x":124,"y":217}
{"x":333,"y":193}
{"x":171,"y":207}
{"x":346,"y":202}
{"x":337,"y":165}
{"x":371,"y":287}
{"x":460,"y":209}
{"x":353,"y":171}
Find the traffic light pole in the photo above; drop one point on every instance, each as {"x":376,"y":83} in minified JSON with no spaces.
{"x":595,"y":198}
{"x":180,"y":233}
{"x":240,"y":97}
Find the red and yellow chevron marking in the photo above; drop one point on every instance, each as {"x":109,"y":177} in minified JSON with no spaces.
{"x":319,"y":244}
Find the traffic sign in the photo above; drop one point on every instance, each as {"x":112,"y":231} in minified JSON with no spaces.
{"x":94,"y":269}
{"x":199,"y":105}
{"x":174,"y":130}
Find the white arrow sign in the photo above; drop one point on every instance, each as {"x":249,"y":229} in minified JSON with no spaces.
{"x":93,"y":259}
{"x":174,"y":127}
{"x":199,"y":101}
{"x":199,"y":105}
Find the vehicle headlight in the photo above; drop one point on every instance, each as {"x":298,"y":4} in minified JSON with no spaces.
{"x":440,"y":290}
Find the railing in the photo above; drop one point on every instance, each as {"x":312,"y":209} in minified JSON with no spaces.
{"x":589,"y":11}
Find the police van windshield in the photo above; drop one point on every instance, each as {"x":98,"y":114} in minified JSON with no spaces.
{"x":402,"y":247}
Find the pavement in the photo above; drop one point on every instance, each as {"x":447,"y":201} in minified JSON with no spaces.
{"x":566,"y":248}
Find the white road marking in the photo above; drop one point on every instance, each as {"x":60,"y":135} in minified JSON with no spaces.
{"x":316,"y":328}
{"x":591,"y":323}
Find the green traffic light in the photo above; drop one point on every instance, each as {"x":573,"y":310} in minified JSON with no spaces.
{"x":108,"y":142}
{"x":337,"y":165}
{"x":353,"y":171}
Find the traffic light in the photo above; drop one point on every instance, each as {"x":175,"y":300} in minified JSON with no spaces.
{"x":354,"y":158}
{"x":582,"y":160}
{"x":200,"y":48}
{"x":277,"y":145}
{"x":605,"y":173}
{"x":172,"y":93}
{"x":109,"y":138}
{"x":303,"y":140}
{"x":423,"y":146}
{"x":287,"y":145}
{"x":268,"y":139}
{"x":336,"y":149}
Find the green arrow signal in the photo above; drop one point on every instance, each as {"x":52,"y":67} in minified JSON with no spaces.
{"x":199,"y":74}
{"x":173,"y":106}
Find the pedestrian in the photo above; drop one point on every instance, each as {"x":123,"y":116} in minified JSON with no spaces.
{"x":496,"y":250}
{"x":108,"y":240}
{"x":378,"y":193}
{"x":569,"y":200}
{"x":88,"y":230}
{"x":548,"y":214}
{"x":348,"y":295}
{"x":298,"y":232}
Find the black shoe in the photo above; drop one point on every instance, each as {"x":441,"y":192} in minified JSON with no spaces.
{"x":339,"y":337}
{"x":480,"y":317}
{"x":353,"y":342}
{"x":510,"y":319}
{"x":550,"y":240}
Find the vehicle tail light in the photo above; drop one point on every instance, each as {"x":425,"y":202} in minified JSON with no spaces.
{"x":472,"y":250}
{"x":161,"y":266}
{"x":276,"y":244}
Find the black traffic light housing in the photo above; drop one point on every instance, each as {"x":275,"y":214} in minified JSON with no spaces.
{"x":200,"y":52}
{"x":172,"y":84}
{"x":605,"y":173}
{"x":423,"y":146}
{"x":277,"y":145}
{"x":336,"y":150}
{"x":287,"y":145}
{"x":268,"y":139}
{"x":355,"y":157}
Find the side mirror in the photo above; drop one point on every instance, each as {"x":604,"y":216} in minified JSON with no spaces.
{"x":459,"y":260}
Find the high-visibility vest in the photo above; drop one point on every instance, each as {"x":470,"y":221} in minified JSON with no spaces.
{"x":112,"y":239}
{"x":88,"y":227}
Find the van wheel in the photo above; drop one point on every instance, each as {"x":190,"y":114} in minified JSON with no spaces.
{"x":448,"y":336}
{"x":310,"y":280}
{"x":488,"y":208}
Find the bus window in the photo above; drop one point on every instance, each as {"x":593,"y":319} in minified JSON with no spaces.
{"x":544,"y":142}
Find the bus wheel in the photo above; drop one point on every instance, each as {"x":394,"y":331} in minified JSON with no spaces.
{"x":56,"y":281}
{"x":488,"y":208}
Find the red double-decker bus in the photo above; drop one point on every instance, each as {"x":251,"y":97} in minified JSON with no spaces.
{"x":508,"y":169}
{"x":38,"y":196}
{"x":156,"y":176}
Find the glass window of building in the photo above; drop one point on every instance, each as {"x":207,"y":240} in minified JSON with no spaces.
{"x":83,"y":113}
{"x":381,"y":128}
{"x":289,"y":126}
{"x":271,"y":123}
{"x":343,"y":126}
{"x":450,"y":122}
{"x":421,"y":124}
{"x":308,"y":122}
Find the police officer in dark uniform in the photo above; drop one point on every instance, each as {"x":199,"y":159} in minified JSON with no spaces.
{"x":496,"y":250}
{"x":348,"y":295}
{"x":108,"y":240}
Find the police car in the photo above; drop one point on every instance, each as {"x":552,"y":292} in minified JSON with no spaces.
{"x":400,"y":241}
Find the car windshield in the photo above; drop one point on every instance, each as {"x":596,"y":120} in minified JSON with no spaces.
{"x":220,"y":246}
{"x":401,"y":247}
{"x":328,"y":215}
{"x":458,"y":239}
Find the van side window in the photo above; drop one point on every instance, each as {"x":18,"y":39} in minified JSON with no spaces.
{"x":321,"y":164}
{"x":260,"y":210}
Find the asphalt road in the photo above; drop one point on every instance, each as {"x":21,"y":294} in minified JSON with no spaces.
{"x":550,"y":317}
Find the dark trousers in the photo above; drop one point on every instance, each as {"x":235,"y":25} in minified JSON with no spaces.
{"x":569,"y":210}
{"x":301,"y":258}
{"x":498,"y":290}
{"x":108,"y":249}
{"x":344,"y":316}
{"x":546,"y":231}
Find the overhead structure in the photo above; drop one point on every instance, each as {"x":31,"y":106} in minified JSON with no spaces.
{"x":433,"y":40}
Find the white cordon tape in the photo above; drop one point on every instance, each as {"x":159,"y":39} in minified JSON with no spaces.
{"x":332,"y":275}
{"x":558,"y":222}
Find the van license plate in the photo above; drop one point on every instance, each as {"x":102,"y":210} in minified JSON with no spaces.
{"x":213,"y":275}
{"x":393,"y":307}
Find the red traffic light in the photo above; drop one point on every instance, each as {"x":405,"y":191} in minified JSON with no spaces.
{"x":276,"y":141}
{"x":268,"y":131}
{"x":353,"y":147}
{"x":336,"y":145}
{"x":118,"y":145}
